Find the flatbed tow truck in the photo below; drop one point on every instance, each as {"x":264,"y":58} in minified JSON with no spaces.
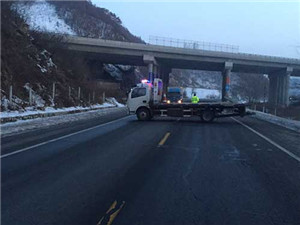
{"x":145,"y":101}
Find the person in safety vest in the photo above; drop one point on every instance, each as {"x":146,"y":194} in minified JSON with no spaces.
{"x":195,"y":99}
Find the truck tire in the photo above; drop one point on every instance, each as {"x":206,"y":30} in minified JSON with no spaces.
{"x":208,"y":116}
{"x":143,"y":114}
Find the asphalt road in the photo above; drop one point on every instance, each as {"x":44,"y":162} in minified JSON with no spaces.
{"x":158,"y":172}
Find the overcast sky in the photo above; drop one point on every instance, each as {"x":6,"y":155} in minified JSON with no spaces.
{"x":269,"y":28}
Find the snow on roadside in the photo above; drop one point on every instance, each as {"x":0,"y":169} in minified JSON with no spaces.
{"x":22,"y":126}
{"x":37,"y":100}
{"x":287,"y":123}
{"x":41,"y":16}
{"x":114,"y":102}
{"x":32,"y":111}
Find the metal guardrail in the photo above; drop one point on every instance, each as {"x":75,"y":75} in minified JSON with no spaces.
{"x":200,"y":45}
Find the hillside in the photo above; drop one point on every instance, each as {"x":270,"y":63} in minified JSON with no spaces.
{"x":26,"y":27}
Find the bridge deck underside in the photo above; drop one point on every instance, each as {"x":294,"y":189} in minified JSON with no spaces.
{"x":135,"y":58}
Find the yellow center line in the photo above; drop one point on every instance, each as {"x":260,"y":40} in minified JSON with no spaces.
{"x":112,"y":207}
{"x":109,"y":217}
{"x":162,"y":141}
{"x":113,"y":216}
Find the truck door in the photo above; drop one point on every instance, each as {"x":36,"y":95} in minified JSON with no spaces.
{"x":137,"y":97}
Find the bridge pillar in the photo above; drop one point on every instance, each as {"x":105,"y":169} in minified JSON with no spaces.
{"x":279,"y":87}
{"x":165,"y":74}
{"x":226,"y":80}
{"x":159,"y":72}
{"x":155,"y":71}
{"x":152,"y":66}
{"x":150,"y":72}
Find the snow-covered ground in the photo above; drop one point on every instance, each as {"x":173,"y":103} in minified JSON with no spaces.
{"x":22,"y":126}
{"x":30,"y":111}
{"x":203,"y":93}
{"x":287,"y":123}
{"x":295,"y":86}
{"x":42,"y":16}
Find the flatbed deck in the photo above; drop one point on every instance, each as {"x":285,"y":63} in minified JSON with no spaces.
{"x":206,"y":110}
{"x":197,"y":105}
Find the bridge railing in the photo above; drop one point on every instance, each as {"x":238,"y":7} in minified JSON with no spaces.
{"x":189,"y":44}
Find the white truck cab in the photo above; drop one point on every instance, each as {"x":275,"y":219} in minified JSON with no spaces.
{"x":143,"y":96}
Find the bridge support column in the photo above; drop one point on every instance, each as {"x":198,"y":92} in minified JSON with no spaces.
{"x":150,"y":72}
{"x":159,"y":72}
{"x":279,"y":87}
{"x":226,"y":80}
{"x":155,"y":71}
{"x":152,"y":66}
{"x":165,"y":75}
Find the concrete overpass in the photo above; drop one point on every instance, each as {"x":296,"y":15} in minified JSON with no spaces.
{"x":160,"y":60}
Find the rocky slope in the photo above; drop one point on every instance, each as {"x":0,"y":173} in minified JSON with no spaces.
{"x":29,"y":64}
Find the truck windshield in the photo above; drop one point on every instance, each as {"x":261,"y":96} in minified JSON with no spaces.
{"x":138,"y":92}
{"x":173,"y":94}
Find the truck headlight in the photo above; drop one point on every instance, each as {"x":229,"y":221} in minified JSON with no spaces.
{"x":168,"y":101}
{"x":179,"y":101}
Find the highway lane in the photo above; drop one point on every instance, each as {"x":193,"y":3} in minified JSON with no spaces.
{"x":219,"y":173}
{"x":11,"y":143}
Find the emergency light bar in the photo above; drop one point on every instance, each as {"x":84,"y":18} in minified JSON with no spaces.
{"x":144,"y":81}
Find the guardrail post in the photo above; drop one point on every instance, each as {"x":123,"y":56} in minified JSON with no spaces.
{"x":30,"y":96}
{"x":10,"y":93}
{"x":53,"y":91}
{"x":79,"y":93}
{"x":103,"y":97}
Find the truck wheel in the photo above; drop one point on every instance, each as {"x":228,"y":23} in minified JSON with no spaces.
{"x":208,"y":116}
{"x":143,"y":114}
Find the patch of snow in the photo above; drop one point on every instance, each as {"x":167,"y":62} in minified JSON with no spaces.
{"x":202,"y":93}
{"x":29,"y":111}
{"x":113,"y":71}
{"x":43,"y":70}
{"x":37,"y":100}
{"x":14,"y":104}
{"x":22,"y":126}
{"x":115,"y":102}
{"x":124,"y":67}
{"x":42,"y":16}
{"x":45,"y":53}
{"x":4,"y":103}
{"x":50,"y":63}
{"x":287,"y":123}
{"x":294,"y":86}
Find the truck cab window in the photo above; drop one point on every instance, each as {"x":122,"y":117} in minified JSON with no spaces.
{"x":138,"y":92}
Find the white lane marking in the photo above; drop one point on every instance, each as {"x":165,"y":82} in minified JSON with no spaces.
{"x":59,"y":138}
{"x":269,"y":140}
